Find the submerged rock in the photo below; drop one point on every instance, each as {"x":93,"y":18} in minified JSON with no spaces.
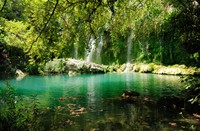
{"x":130,"y":96}
{"x":136,"y":98}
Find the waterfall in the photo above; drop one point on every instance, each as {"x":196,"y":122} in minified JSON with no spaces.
{"x":129,"y":47}
{"x":91,"y":44}
{"x":76,"y":52}
{"x":99,"y":49}
{"x":129,"y":42}
{"x":94,"y":53}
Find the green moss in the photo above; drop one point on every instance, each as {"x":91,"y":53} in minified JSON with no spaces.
{"x":123,"y":67}
{"x":167,"y":70}
{"x":136,"y":68}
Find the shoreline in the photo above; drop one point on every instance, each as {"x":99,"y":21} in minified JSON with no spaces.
{"x":152,"y":68}
{"x":74,"y":67}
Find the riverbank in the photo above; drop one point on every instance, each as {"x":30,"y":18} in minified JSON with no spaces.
{"x":156,"y":69}
{"x":73,"y":66}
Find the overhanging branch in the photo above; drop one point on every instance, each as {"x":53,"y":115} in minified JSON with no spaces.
{"x":45,"y":25}
{"x":4,"y":4}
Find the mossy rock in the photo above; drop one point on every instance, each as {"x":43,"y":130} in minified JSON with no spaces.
{"x":136,"y":68}
{"x":123,"y":67}
{"x":146,"y":68}
{"x":72,"y":65}
{"x":117,"y":66}
{"x":111,"y":69}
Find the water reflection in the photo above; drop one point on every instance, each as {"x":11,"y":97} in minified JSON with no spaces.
{"x":95,"y":87}
{"x":91,"y":91}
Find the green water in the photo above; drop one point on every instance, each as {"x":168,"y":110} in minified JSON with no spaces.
{"x":99,"y":95}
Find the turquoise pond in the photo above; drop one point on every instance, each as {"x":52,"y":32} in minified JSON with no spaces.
{"x":99,"y":96}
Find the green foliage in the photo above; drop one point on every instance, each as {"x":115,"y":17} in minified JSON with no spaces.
{"x":25,"y":113}
{"x":14,"y":115}
{"x":18,"y":112}
{"x":18,"y":33}
{"x":159,"y":30}
{"x":192,"y":94}
{"x":7,"y":109}
{"x":13,"y":9}
{"x":55,"y":66}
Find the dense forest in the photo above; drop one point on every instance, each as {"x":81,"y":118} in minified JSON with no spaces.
{"x":33,"y":32}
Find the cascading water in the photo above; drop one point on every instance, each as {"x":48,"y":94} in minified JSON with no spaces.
{"x":129,"y":42}
{"x":76,"y":52}
{"x":91,"y":51}
{"x":99,"y":49}
{"x":129,"y":47}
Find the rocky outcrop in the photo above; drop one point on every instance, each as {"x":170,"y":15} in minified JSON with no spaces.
{"x":73,"y":66}
{"x":156,"y":69}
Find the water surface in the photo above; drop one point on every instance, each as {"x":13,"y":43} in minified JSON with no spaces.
{"x":99,"y":96}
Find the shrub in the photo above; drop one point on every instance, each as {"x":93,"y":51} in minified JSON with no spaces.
{"x":55,"y":66}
